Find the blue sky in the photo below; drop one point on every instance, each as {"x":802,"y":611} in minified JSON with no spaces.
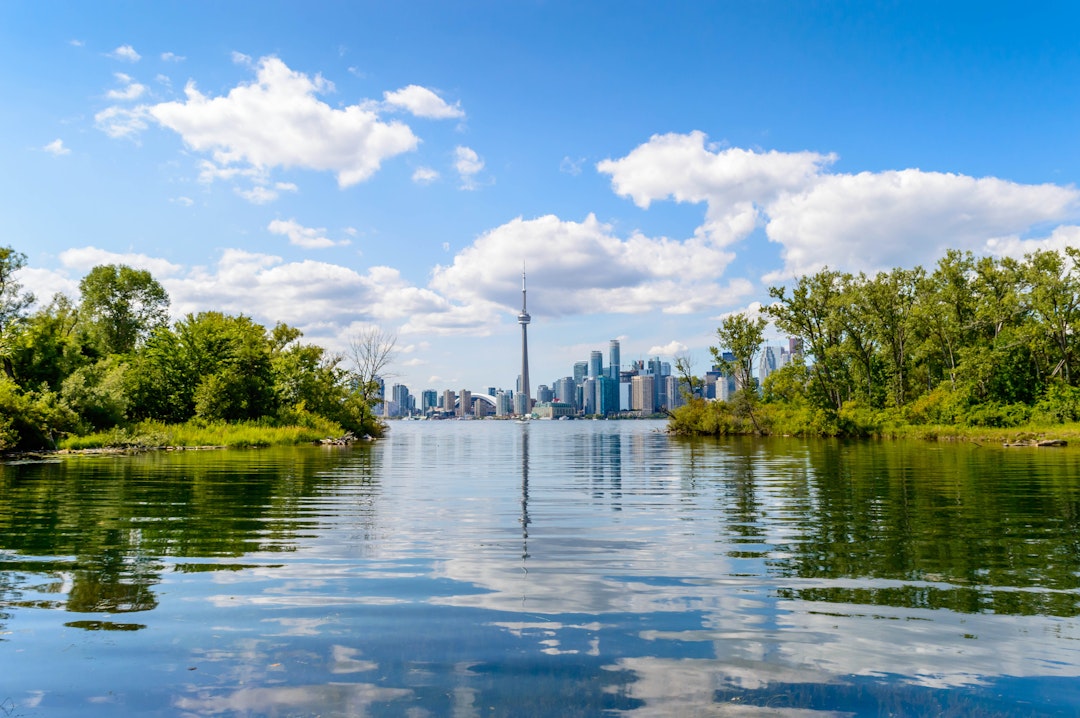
{"x":656,"y":166}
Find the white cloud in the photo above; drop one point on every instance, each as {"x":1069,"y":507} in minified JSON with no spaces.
{"x":264,"y":194}
{"x":45,"y":283}
{"x":121,"y":122}
{"x":866,"y":221}
{"x":131,"y":90}
{"x":56,"y":147}
{"x":734,"y":183}
{"x":468,"y":164}
{"x":76,"y":43}
{"x":278,"y":121}
{"x":424,"y":175}
{"x":583,"y":268}
{"x":183,"y":201}
{"x":422,"y":102}
{"x":126,"y":53}
{"x":871,"y":221}
{"x":670,"y":349}
{"x":84,"y":259}
{"x":301,"y":236}
{"x":1060,"y":238}
{"x":172,"y":57}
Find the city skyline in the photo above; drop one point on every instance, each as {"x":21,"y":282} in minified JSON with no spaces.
{"x":341,"y":167}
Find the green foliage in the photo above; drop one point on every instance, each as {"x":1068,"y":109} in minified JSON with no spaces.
{"x":1059,"y":404}
{"x":985,"y":343}
{"x":98,"y":392}
{"x":123,"y":305}
{"x":32,"y":419}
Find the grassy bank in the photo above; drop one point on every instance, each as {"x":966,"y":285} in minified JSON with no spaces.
{"x":712,"y":418}
{"x":152,"y":434}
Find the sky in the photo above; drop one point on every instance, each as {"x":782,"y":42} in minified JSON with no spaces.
{"x":342,"y":166}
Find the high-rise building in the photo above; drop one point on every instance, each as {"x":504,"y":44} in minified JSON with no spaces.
{"x":565,"y":391}
{"x":523,"y":320}
{"x":448,"y":399}
{"x":767,"y":363}
{"x":607,"y":395}
{"x":429,"y":399}
{"x":642,"y":393}
{"x":613,"y":359}
{"x":581,"y":371}
{"x":400,"y":397}
{"x":465,"y":403}
{"x":596,"y":364}
{"x":588,"y":397}
{"x":544,"y":394}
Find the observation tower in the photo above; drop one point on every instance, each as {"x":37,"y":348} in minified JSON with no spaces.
{"x":523,"y":320}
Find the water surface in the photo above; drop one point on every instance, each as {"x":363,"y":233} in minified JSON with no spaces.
{"x":550,"y":569}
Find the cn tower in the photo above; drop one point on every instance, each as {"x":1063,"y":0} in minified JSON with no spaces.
{"x":523,"y":320}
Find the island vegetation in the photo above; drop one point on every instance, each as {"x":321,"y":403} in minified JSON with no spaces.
{"x":979,"y":346}
{"x":110,"y":370}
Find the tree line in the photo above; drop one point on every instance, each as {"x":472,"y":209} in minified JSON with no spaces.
{"x":112,"y":359}
{"x":977,"y":341}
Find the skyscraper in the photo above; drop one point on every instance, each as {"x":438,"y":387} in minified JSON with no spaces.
{"x":596,"y":364}
{"x":613,"y":359}
{"x":523,"y":320}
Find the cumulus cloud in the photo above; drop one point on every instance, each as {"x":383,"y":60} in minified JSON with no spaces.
{"x":422,"y":102}
{"x":126,"y":53}
{"x":301,"y":236}
{"x":264,"y":194}
{"x":865,"y":221}
{"x":84,"y":259}
{"x":172,"y":57}
{"x":56,"y":148}
{"x":323,"y":299}
{"x":668,"y":350}
{"x":468,"y":164}
{"x":1013,"y":246}
{"x":121,"y":122}
{"x":583,"y":268}
{"x":424,"y":175}
{"x":129,"y":90}
{"x":275,"y":121}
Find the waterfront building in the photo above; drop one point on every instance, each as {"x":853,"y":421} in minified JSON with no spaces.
{"x":767,"y":363}
{"x":565,"y":391}
{"x":465,"y":403}
{"x":588,"y":397}
{"x":607,"y":395}
{"x":613,"y":359}
{"x":543,"y":393}
{"x":581,"y":370}
{"x":503,"y":403}
{"x":554,"y":409}
{"x":449,"y":398}
{"x":400,"y":396}
{"x":429,"y":400}
{"x":596,"y":364}
{"x":673,"y":390}
{"x":642,"y":394}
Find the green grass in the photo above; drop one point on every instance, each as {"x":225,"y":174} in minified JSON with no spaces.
{"x":152,"y":434}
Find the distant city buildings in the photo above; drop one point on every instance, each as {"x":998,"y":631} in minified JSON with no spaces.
{"x":643,"y":388}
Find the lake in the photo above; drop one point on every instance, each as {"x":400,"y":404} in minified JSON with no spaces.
{"x":557,"y":568}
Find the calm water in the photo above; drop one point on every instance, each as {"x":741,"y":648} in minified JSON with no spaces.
{"x":552,"y":569}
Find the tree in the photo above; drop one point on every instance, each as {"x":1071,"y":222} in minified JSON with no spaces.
{"x":124,"y":305}
{"x":371,"y":352}
{"x":742,"y":336}
{"x":13,"y":302}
